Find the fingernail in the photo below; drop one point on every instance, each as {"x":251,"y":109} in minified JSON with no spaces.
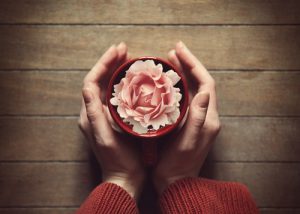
{"x":113,"y":46}
{"x":180,"y":44}
{"x":87,"y":95}
{"x":121,"y":44}
{"x":172,"y":52}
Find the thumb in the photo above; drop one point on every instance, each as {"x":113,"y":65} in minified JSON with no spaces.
{"x":96,"y":116}
{"x":95,"y":111}
{"x":197,"y":113}
{"x":94,"y":108}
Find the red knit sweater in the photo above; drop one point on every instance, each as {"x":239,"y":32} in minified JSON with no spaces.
{"x":190,"y":195}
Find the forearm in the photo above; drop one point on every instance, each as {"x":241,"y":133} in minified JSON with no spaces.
{"x":200,"y":195}
{"x":108,"y":198}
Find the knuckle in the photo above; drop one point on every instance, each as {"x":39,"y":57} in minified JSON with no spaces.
{"x":85,"y":85}
{"x":84,"y":82}
{"x":82,"y":124}
{"x":79,"y":123}
{"x":187,"y":150}
{"x":197,"y":121}
{"x":212,"y":83}
{"x":214,"y":126}
{"x":92,"y":115}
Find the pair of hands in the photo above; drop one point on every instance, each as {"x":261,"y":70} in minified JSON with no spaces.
{"x":183,"y":154}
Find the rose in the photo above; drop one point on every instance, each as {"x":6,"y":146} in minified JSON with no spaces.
{"x":146,"y":97}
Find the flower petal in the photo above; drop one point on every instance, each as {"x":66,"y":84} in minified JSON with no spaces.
{"x":137,"y":67}
{"x":144,"y":110}
{"x":174,"y":77}
{"x":114,"y":101}
{"x":173,"y":116}
{"x":156,"y":98}
{"x":146,"y":96}
{"x":137,"y":127}
{"x":162,"y":120}
{"x":122,"y":112}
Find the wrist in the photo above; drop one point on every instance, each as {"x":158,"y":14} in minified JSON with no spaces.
{"x":161,"y":182}
{"x":131,"y":184}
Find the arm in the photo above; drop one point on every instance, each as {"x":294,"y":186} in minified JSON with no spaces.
{"x":108,"y":198}
{"x":199,"y":195}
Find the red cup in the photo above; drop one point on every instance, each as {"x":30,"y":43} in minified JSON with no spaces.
{"x":148,"y":139}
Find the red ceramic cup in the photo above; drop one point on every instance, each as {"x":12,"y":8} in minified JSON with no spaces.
{"x":149,"y":154}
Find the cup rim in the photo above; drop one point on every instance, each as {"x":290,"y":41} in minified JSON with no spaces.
{"x":158,"y":133}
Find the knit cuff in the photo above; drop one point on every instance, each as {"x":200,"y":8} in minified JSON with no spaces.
{"x":108,"y":198}
{"x":199,"y":195}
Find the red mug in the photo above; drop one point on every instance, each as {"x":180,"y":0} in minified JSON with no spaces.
{"x":148,"y":139}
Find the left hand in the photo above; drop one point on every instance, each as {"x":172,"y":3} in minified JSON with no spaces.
{"x":186,"y":150}
{"x":116,"y":153}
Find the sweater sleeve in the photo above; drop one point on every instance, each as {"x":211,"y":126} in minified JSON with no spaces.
{"x":199,"y":195}
{"x":108,"y":198}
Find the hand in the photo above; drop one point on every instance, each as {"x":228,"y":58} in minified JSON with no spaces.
{"x":185,"y":152}
{"x":115,"y":152}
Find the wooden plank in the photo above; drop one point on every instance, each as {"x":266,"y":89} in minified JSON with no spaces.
{"x":259,"y":93}
{"x":149,"y":12}
{"x":37,"y":210}
{"x":218,"y":47}
{"x":67,"y":184}
{"x":279,"y":211}
{"x":240,"y":93}
{"x":257,"y":139}
{"x":45,"y":184}
{"x":41,"y":139}
{"x":44,"y":93}
{"x":58,"y":139}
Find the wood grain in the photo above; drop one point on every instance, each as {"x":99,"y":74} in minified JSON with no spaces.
{"x":239,"y":93}
{"x":45,"y":184}
{"x":150,"y":12}
{"x":43,"y":93}
{"x":46,"y":47}
{"x":59,"y":139}
{"x":279,"y":211}
{"x":218,"y":47}
{"x":257,"y":139}
{"x":67,"y":184}
{"x":41,"y":139}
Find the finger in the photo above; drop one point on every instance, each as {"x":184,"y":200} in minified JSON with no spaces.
{"x":111,"y":120}
{"x":174,"y":60}
{"x":103,"y":65}
{"x":187,"y":58}
{"x":84,"y":123}
{"x":122,"y":53}
{"x":196,"y":118}
{"x":96,"y":116}
{"x":201,"y":74}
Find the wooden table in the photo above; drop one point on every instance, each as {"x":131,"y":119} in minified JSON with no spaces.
{"x":252,"y":49}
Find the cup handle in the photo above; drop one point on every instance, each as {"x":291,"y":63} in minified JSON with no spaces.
{"x":149,"y":153}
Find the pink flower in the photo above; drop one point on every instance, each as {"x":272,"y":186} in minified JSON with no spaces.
{"x":146,"y":97}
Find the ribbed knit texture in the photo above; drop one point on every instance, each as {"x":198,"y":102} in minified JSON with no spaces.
{"x":189,"y":195}
{"x":108,"y":198}
{"x":199,"y":195}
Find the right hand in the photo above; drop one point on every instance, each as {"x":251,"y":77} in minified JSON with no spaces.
{"x":184,"y":153}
